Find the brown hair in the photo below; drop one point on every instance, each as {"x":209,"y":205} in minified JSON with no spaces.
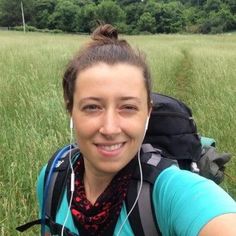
{"x":104,"y":47}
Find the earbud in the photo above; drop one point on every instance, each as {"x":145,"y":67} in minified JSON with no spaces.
{"x":71,"y":123}
{"x":146,"y":124}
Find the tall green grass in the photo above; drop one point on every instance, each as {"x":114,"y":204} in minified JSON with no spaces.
{"x":200,"y":70}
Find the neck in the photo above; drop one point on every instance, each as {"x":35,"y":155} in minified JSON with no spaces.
{"x":95,"y":184}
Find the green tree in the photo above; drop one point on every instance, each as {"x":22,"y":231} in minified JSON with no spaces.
{"x":133,"y":13}
{"x":218,"y":19}
{"x":87,"y":18}
{"x":212,"y":5}
{"x":65,"y":16}
{"x":147,"y":23}
{"x":196,"y":3}
{"x":110,"y":12}
{"x":221,"y":21}
{"x":11,"y":12}
{"x":170,"y":18}
{"x":125,"y":2}
{"x":44,"y":9}
{"x":152,"y":7}
{"x":83,"y":3}
{"x":232,"y":5}
{"x":130,"y":16}
{"x":190,"y":15}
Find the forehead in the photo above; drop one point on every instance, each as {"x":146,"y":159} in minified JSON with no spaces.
{"x":118,"y":80}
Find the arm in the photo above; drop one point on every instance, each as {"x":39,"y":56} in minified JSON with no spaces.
{"x":189,"y":205}
{"x":221,"y":225}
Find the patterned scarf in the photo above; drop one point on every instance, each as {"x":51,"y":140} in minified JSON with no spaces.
{"x":99,"y":219}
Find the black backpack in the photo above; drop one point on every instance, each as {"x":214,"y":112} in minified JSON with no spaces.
{"x":173,"y":130}
{"x":173,"y":136}
{"x":153,"y":163}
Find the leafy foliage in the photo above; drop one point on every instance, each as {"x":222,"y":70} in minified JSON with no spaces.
{"x":110,"y":12}
{"x":65,"y":16}
{"x":87,"y":18}
{"x":146,"y":22}
{"x":130,"y":16}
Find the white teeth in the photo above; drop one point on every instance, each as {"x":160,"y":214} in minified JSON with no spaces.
{"x":111,"y":147}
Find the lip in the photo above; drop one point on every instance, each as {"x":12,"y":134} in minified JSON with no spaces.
{"x":110,"y":149}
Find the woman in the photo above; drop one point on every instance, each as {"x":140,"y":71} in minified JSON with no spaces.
{"x":107,"y":91}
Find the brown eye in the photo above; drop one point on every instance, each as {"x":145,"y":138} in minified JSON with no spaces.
{"x":129,"y":108}
{"x":91,"y":108}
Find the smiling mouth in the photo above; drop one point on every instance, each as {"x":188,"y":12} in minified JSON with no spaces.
{"x":110,"y":148}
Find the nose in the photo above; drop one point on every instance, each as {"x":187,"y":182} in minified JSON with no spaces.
{"x":110,"y":124}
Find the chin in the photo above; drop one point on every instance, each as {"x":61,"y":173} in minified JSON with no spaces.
{"x":112,"y":168}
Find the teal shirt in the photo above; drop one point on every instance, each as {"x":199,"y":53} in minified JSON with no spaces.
{"x":184,"y":202}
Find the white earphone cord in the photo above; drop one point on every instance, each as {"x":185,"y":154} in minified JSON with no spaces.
{"x":72,"y":179}
{"x":141,"y":181}
{"x":132,"y":208}
{"x":139,"y":191}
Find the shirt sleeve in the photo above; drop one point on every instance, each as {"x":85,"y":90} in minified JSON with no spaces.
{"x":184,"y":202}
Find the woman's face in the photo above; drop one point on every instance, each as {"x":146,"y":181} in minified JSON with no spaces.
{"x":109,"y":114}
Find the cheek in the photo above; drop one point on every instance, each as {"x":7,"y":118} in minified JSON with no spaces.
{"x":134,"y":129}
{"x":85,"y":128}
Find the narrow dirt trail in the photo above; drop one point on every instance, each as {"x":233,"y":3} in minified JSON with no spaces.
{"x":183,"y":77}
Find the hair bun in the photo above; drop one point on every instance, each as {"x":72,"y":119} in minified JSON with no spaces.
{"x":105,"y":33}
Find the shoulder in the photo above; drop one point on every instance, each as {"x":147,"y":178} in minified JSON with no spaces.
{"x":40,"y":180}
{"x":40,"y":185}
{"x":185,"y":183}
{"x":62,"y":208}
{"x":184,"y":202}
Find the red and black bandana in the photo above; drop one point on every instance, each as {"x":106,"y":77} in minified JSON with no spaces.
{"x":99,"y":219}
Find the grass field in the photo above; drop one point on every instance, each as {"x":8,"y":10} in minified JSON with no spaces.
{"x":200,"y":70}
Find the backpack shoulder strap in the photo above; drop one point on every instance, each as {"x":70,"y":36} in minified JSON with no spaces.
{"x":56,"y":188}
{"x":143,"y":219}
{"x":58,"y":180}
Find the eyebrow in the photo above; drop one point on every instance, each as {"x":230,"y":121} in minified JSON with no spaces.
{"x":90,"y":98}
{"x":126,"y":98}
{"x":131,"y":98}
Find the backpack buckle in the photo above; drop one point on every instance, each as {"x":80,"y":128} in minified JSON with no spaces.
{"x":194,"y":168}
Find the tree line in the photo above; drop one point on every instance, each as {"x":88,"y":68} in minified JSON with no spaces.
{"x":130,"y":16}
